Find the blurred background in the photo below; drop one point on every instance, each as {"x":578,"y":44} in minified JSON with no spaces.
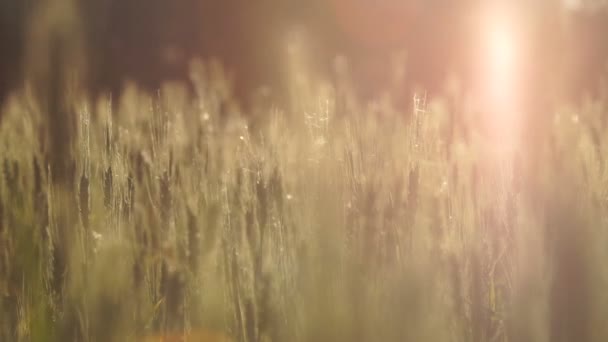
{"x":550,"y":48}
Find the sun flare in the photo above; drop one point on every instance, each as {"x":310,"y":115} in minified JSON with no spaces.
{"x":500,"y":53}
{"x":501,"y":50}
{"x":501,"y":72}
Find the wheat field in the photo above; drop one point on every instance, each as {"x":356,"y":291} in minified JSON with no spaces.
{"x":328,"y":220}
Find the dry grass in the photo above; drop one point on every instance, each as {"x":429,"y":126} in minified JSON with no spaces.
{"x":324,"y":222}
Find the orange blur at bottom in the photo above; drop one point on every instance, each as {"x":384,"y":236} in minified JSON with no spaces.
{"x":194,"y":336}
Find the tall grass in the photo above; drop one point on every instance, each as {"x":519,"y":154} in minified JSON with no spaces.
{"x":329,"y":221}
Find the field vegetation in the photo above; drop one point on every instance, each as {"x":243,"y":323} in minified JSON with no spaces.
{"x":327,"y":220}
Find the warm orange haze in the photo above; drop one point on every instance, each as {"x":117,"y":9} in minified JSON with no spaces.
{"x":433,"y":41}
{"x":321,"y":170}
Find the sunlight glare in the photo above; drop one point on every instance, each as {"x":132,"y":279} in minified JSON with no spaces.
{"x":500,"y":73}
{"x":501,"y":52}
{"x":501,"y":58}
